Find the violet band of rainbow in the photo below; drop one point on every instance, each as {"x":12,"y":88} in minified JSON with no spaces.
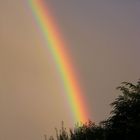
{"x":56,"y":46}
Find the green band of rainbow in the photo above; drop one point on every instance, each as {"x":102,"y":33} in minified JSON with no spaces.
{"x":56,"y":45}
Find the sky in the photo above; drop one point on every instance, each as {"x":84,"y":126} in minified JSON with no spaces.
{"x":102,"y":38}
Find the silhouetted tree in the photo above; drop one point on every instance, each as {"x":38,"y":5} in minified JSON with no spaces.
{"x":124,"y":122}
{"x":63,"y":134}
{"x":88,"y":131}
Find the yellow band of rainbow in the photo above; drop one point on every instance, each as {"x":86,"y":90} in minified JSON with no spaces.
{"x":56,"y":45}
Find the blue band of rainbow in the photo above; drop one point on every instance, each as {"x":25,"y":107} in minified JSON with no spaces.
{"x":56,"y":45}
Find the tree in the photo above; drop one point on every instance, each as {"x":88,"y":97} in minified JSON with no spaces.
{"x":87,"y":131}
{"x":63,"y":134}
{"x":124,"y":122}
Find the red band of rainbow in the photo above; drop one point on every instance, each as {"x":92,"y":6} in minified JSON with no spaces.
{"x":56,"y":45}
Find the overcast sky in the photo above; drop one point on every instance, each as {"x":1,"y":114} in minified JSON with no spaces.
{"x":103,"y":39}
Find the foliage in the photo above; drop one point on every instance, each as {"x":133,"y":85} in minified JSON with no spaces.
{"x":63,"y":134}
{"x":88,"y":131}
{"x":123,"y":123}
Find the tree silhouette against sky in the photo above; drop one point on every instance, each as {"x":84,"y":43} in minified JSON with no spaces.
{"x":123,"y":123}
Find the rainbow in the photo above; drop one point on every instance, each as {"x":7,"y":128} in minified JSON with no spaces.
{"x":56,"y":46}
